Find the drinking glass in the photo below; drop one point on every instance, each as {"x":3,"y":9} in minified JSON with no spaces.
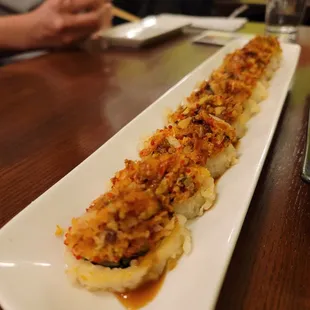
{"x":283,"y":16}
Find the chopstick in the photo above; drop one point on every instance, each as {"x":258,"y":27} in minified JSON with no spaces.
{"x":238,"y":11}
{"x":305,"y":174}
{"x":124,"y":15}
{"x":119,"y":13}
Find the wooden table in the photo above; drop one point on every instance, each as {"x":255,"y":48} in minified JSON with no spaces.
{"x":58,"y":109}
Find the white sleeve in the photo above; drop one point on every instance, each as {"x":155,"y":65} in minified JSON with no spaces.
{"x":20,"y":5}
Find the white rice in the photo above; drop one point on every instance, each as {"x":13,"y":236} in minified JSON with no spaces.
{"x":222,"y":161}
{"x":201,"y":201}
{"x":260,"y":92}
{"x":250,"y":108}
{"x":273,"y":66}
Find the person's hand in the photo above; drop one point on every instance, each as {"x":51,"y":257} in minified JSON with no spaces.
{"x":63,"y":22}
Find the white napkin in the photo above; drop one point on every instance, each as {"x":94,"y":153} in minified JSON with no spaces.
{"x":213,"y":23}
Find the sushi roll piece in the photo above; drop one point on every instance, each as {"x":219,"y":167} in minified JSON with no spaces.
{"x":227,"y":99}
{"x":240,"y":92}
{"x":123,"y":241}
{"x":241,"y":66}
{"x":235,"y":90}
{"x":234,"y":112}
{"x":176,"y":181}
{"x":205,"y":139}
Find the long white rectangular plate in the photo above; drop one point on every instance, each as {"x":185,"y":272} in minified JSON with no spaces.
{"x":31,"y":257}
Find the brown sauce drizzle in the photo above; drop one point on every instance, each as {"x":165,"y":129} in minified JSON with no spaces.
{"x":141,"y":296}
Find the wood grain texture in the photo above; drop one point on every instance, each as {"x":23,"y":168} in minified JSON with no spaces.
{"x":58,"y":109}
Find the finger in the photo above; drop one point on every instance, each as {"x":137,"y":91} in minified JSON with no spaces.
{"x":74,"y":37}
{"x":86,"y":21}
{"x":106,"y":16}
{"x":106,"y":19}
{"x":77,"y":6}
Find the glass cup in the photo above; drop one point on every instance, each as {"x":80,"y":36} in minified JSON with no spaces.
{"x":283,"y":16}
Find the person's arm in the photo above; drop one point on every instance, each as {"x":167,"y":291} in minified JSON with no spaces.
{"x":55,"y":23}
{"x":15,"y":32}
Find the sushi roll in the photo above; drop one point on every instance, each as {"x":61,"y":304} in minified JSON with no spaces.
{"x":205,"y":139}
{"x":123,"y":241}
{"x":175,"y":180}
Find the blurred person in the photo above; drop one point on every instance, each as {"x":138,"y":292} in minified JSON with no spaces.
{"x":54,"y":23}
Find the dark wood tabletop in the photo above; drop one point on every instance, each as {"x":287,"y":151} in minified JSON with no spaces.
{"x":58,"y":109}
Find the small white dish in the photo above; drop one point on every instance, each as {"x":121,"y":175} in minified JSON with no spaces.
{"x":144,"y":32}
{"x":31,"y":258}
{"x":210,"y":22}
{"x":221,"y":38}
